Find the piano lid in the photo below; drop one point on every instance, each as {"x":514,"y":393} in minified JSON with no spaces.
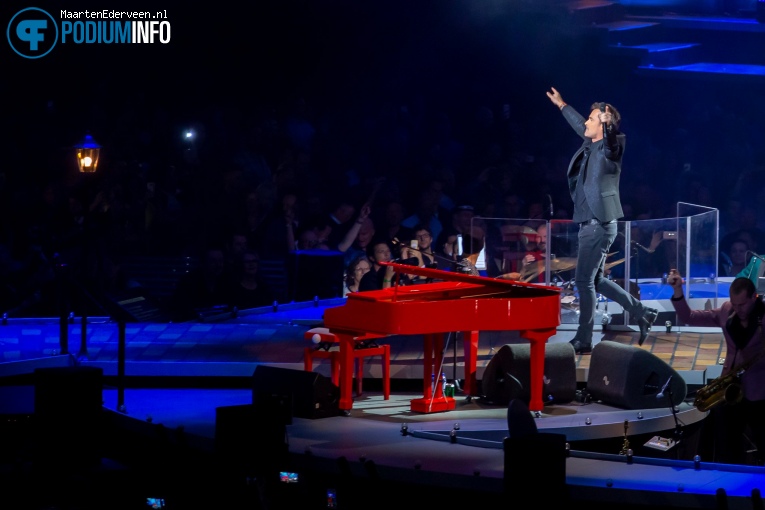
{"x":454,"y":276}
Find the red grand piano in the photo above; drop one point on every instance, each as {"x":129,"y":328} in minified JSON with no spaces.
{"x":455,"y":302}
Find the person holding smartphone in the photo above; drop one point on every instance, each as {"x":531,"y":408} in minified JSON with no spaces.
{"x":593,"y":181}
{"x":422,"y":246}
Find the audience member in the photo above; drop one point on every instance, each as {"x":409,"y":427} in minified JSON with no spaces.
{"x":427,"y":212}
{"x":735,"y":258}
{"x":256,"y":210}
{"x":356,"y":270}
{"x":459,"y":225}
{"x":535,"y":211}
{"x":249,"y":289}
{"x":511,"y":206}
{"x":382,"y":277}
{"x":360,"y":233}
{"x":751,"y":236}
{"x":310,"y":238}
{"x":449,"y":250}
{"x":314,"y":232}
{"x":439,"y":187}
{"x":533,"y":263}
{"x":391,"y":227}
{"x":235,"y":248}
{"x":339,"y":221}
{"x":361,"y":242}
{"x":277,"y":237}
{"x":421,"y":247}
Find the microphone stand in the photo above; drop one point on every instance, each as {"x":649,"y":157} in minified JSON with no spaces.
{"x":637,"y":270}
{"x":637,"y":263}
{"x":678,"y":434}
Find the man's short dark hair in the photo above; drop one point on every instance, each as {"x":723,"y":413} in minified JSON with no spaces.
{"x":421,"y":226}
{"x":376,"y":242}
{"x":742,"y":284}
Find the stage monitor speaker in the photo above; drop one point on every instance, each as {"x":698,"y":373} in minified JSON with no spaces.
{"x":632,"y":378}
{"x":305,"y":394}
{"x":508,"y":374}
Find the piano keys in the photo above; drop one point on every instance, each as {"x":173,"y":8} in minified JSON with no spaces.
{"x":452,"y":302}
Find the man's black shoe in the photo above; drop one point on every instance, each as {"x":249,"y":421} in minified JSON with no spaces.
{"x":645,"y":323}
{"x":581,"y":347}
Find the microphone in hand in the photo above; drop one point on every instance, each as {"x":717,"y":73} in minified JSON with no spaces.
{"x":605,"y":126}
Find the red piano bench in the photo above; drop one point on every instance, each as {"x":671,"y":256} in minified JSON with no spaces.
{"x":324,"y":340}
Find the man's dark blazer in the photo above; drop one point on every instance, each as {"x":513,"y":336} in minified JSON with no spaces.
{"x":603,"y":170}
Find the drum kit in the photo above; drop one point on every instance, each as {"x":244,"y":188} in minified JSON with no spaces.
{"x":532,"y":271}
{"x":560,"y":265}
{"x":569,"y":300}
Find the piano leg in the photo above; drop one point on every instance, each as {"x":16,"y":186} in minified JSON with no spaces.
{"x":470,"y":340}
{"x":538,"y":339}
{"x":428,"y":365}
{"x":433,"y":356}
{"x":346,"y":371}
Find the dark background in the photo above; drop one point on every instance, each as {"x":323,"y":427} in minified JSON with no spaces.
{"x":377,"y":82}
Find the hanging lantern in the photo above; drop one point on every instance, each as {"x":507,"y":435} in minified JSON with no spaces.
{"x":87,"y":154}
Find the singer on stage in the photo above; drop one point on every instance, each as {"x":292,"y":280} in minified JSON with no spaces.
{"x":593,"y":181}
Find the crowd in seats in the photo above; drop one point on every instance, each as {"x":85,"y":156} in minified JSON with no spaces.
{"x":294,"y":181}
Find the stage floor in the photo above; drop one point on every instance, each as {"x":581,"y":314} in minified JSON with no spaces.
{"x":426,"y":455}
{"x":179,"y":376}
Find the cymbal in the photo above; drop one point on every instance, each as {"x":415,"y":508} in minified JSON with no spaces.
{"x":609,"y":265}
{"x":562,"y":263}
